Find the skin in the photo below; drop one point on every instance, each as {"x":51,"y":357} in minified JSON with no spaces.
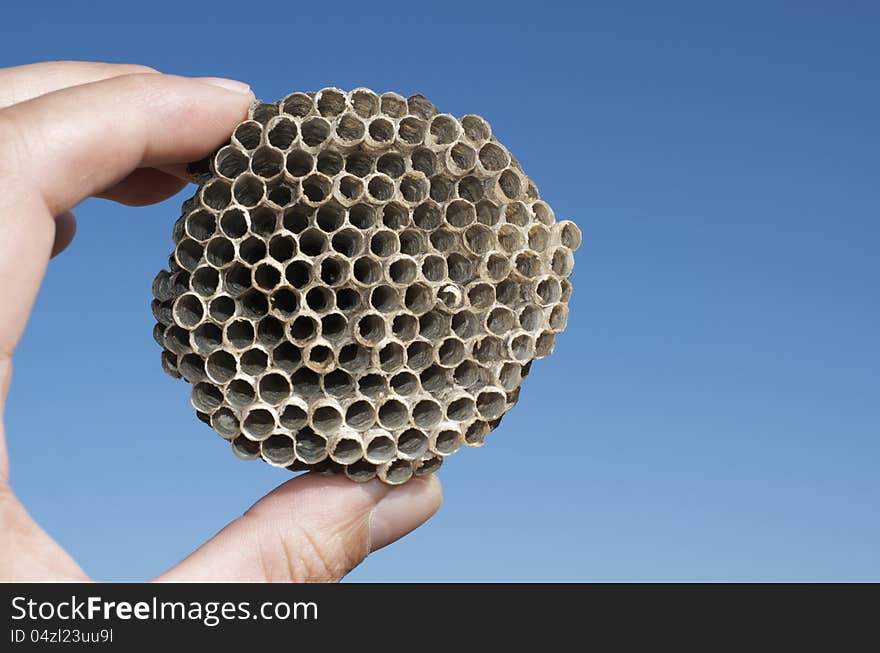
{"x":310,"y":529}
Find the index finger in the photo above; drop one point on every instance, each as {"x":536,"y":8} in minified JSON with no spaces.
{"x":62,"y":147}
{"x":22,"y":83}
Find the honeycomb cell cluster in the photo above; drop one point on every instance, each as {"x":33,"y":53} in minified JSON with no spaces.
{"x":360,"y":284}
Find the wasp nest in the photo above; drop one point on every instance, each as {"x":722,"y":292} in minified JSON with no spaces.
{"x":360,"y":284}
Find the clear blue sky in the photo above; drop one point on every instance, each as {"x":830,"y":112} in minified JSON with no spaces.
{"x":712,"y":411}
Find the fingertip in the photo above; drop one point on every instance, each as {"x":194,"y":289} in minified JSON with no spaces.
{"x":327,"y":500}
{"x":403,"y":509}
{"x":390,"y":511}
{"x":228,"y":84}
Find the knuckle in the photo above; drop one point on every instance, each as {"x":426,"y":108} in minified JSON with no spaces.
{"x":135,"y":69}
{"x":96,"y":69}
{"x":149,"y":90}
{"x":318,"y":557}
{"x":85,"y":71}
{"x":11,"y":145}
{"x":301,"y":554}
{"x":140,"y":83}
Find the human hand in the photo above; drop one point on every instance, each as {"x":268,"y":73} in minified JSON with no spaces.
{"x":125,"y":133}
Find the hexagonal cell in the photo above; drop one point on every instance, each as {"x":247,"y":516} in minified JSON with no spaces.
{"x":360,"y":285}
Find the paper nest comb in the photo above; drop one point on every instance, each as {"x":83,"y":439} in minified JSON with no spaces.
{"x":360,"y":284}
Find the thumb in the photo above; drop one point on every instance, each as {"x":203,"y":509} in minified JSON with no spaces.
{"x":311,"y":529}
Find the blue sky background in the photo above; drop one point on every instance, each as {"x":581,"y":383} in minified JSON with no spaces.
{"x":713,"y":410}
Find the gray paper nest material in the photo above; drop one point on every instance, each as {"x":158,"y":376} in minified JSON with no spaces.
{"x":360,"y":285}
